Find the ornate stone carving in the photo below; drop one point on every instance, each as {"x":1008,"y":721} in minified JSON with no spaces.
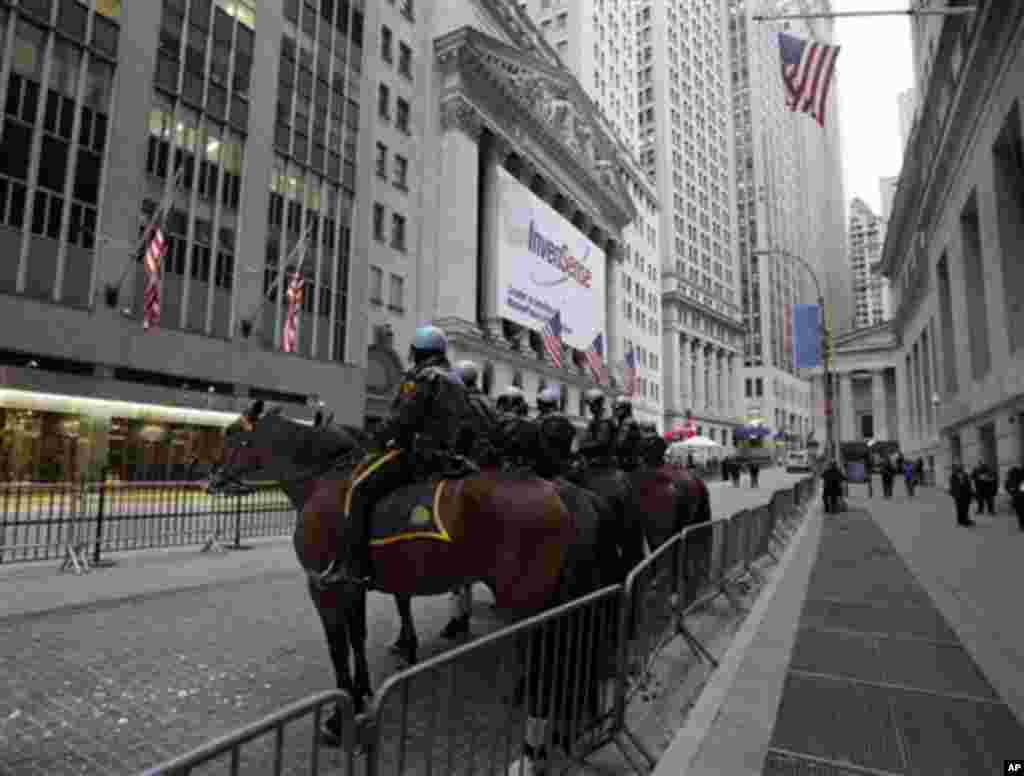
{"x":456,"y":113}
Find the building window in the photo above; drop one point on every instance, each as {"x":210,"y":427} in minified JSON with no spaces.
{"x":401,"y":172}
{"x":405,"y":60}
{"x":402,"y":115}
{"x":397,"y":232}
{"x":376,"y":285}
{"x":382,"y":160}
{"x":759,"y":387}
{"x":407,"y":9}
{"x":378,"y":222}
{"x":384,"y":102}
{"x":396,"y":303}
{"x":385,"y":44}
{"x":562,"y":48}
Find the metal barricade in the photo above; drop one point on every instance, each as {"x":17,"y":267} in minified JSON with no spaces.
{"x":548,"y":683}
{"x":248,"y":750}
{"x":79,"y":522}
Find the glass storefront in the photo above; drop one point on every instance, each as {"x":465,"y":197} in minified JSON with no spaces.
{"x":42,"y":446}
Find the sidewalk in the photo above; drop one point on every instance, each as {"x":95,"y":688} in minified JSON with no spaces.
{"x":890,"y":646}
{"x":35,"y":588}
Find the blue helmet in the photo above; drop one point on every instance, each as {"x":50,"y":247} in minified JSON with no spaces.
{"x":430,"y":340}
{"x":548,"y":398}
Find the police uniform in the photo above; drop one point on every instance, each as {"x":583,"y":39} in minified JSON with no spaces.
{"x":598,"y":443}
{"x":517,"y":436}
{"x":556,"y":434}
{"x":417,"y":439}
{"x":478,"y":429}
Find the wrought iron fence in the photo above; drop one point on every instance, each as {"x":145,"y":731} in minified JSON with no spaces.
{"x":86,"y":520}
{"x":556,"y":685}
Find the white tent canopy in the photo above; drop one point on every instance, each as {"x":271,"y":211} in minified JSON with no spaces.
{"x":701,"y":442}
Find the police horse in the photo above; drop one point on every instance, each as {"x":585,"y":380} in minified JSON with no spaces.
{"x":514,"y":533}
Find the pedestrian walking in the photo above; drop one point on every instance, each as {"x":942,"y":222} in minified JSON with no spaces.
{"x":737,"y":470}
{"x":986,"y":485}
{"x":962,"y":493}
{"x":1015,"y":488}
{"x":888,"y":475}
{"x":832,"y":487}
{"x":755,"y":472}
{"x":909,"y":477}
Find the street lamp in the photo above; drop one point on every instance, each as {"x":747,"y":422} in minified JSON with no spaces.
{"x":829,"y":436}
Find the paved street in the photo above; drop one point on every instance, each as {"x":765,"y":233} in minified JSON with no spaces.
{"x":116,"y":684}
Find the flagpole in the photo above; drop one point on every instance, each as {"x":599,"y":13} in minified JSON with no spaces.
{"x":958,"y":10}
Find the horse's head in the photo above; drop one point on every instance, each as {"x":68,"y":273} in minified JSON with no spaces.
{"x":265,"y":445}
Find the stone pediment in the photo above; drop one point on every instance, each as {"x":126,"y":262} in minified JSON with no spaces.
{"x":547,"y":94}
{"x":880,"y":337}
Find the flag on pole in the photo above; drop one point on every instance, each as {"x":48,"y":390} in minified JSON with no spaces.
{"x":156,"y":248}
{"x":806,"y":336}
{"x":154,"y":243}
{"x":294,"y":295}
{"x":807,"y":70}
{"x":595,"y":359}
{"x":629,"y":373}
{"x":553,"y":338}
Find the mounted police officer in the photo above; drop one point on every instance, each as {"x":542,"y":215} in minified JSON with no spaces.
{"x":628,"y":436}
{"x":517,"y":434}
{"x":418,"y":438}
{"x":476,"y":435}
{"x":556,"y":435}
{"x":598,"y":443}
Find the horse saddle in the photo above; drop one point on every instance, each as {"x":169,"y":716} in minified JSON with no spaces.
{"x":415,"y":511}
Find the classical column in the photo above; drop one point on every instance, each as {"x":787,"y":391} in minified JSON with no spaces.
{"x":732,"y":385}
{"x":709,"y":389}
{"x":685,"y":376}
{"x":879,"y":408}
{"x":847,"y":431}
{"x":716,"y":360}
{"x":459,"y":211}
{"x":672,"y":388}
{"x":697,"y":384}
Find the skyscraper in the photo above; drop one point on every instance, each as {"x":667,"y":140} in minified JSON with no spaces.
{"x":596,"y":41}
{"x":685,"y":128}
{"x":871,"y":290}
{"x":887,"y":189}
{"x":789,"y":207}
{"x":907,"y":101}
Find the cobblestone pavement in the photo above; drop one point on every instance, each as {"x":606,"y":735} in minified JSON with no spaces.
{"x":116,"y":686}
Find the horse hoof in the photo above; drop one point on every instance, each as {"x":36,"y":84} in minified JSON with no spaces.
{"x":456,"y":627}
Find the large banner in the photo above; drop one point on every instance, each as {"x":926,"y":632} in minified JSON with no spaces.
{"x":543,"y":264}
{"x":806,"y":336}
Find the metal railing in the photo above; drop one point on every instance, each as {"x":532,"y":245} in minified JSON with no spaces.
{"x":79,"y":522}
{"x":558,"y":684}
{"x":251,"y":748}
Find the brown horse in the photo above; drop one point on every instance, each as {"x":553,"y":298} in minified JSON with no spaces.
{"x":512,"y":533}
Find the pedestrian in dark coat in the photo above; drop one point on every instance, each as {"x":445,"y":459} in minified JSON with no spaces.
{"x":1014,"y":485}
{"x":962,"y":493}
{"x":832,"y":488}
{"x":986,"y":485}
{"x":888,"y":475}
{"x":909,"y":477}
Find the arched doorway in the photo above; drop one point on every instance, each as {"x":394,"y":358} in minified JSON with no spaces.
{"x":383,"y":375}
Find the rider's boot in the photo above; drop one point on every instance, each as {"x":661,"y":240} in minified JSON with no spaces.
{"x":357,"y":541}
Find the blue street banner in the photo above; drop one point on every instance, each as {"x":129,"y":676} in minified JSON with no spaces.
{"x":806,"y":336}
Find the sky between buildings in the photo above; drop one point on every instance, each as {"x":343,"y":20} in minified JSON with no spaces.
{"x":875,"y":64}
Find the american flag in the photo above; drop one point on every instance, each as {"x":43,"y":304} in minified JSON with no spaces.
{"x":553,"y":338}
{"x":156,"y":247}
{"x":294,"y":294}
{"x":595,"y":359}
{"x":629,"y":373}
{"x":807,"y":69}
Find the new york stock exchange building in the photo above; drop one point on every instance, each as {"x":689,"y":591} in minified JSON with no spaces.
{"x":525,"y":199}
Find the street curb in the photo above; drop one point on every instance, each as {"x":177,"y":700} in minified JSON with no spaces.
{"x":687,"y":746}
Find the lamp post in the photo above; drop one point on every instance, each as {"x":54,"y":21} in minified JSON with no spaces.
{"x":822,"y":333}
